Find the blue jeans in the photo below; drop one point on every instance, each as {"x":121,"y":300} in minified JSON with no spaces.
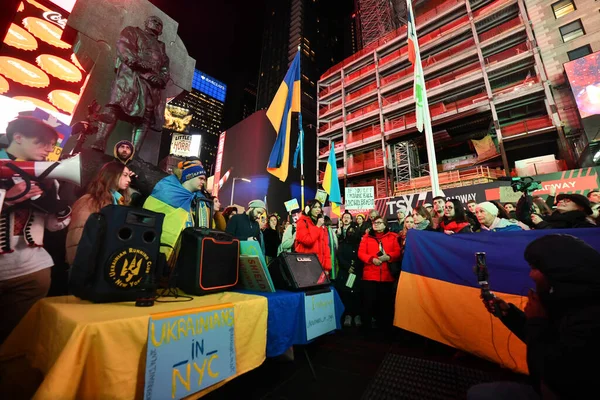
{"x":502,"y":391}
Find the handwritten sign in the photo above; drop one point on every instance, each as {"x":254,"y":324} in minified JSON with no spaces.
{"x":188,"y":351}
{"x":508,"y":195}
{"x":255,"y":276}
{"x":321,"y":196}
{"x":291,"y":205}
{"x":320,"y":314}
{"x":360,"y":198}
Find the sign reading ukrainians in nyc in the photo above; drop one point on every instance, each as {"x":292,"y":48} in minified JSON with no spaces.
{"x":189,"y":351}
{"x":360,"y":198}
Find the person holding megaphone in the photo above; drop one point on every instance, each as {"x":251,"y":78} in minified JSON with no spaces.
{"x":24,"y":263}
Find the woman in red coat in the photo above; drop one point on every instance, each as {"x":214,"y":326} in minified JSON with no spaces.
{"x":378,"y":249}
{"x":311,"y":234}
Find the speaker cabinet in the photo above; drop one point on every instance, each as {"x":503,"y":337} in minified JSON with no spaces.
{"x":117,"y":255}
{"x":208,"y":261}
{"x":297,"y":271}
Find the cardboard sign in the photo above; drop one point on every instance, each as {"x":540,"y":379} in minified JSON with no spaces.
{"x":508,"y":195}
{"x":254,"y":275}
{"x":291,"y":205}
{"x":321,"y":196}
{"x":360,"y":198}
{"x":188,"y":351}
{"x":320,"y":314}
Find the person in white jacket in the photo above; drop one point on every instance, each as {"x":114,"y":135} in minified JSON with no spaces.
{"x":24,"y":263}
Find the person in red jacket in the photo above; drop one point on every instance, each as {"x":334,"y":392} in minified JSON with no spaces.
{"x":378,"y":249}
{"x":311,"y":235}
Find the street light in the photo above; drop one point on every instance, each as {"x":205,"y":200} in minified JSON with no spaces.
{"x":233,"y":187}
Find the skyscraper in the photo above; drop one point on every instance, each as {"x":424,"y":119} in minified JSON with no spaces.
{"x":317,"y":26}
{"x":248,"y":100}
{"x":206,"y":103}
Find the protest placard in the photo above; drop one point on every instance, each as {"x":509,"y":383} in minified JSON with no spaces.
{"x":360,"y":198}
{"x":291,"y":205}
{"x":508,"y":195}
{"x":189,"y":350}
{"x":321,"y":196}
{"x":254,"y":275}
{"x":319,"y":311}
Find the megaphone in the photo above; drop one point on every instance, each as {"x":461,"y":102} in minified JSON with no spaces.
{"x":67,"y":170}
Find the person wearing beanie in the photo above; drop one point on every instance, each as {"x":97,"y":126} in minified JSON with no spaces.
{"x":124,"y":151}
{"x":183,"y":201}
{"x":560,"y":323}
{"x":245,"y":226}
{"x":487,"y":215}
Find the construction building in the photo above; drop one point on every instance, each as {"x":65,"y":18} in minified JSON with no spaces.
{"x":485,"y":79}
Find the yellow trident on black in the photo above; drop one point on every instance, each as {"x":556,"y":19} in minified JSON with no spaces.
{"x":131,"y":269}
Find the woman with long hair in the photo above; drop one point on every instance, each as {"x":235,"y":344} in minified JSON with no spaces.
{"x":111,"y":186}
{"x":272,"y":237}
{"x":311,"y":235}
{"x":455,"y":218}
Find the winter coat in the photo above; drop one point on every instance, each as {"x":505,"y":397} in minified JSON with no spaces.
{"x":272,"y":242}
{"x":312,"y":239}
{"x":287,"y":241}
{"x":563,"y":347}
{"x":502,"y":225}
{"x":241,"y":227}
{"x":368,"y":250}
{"x":570,"y":219}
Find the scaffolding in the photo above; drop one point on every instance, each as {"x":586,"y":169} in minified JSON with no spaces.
{"x":376,"y":19}
{"x":406,"y":161}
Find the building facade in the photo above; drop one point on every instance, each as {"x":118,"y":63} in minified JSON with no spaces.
{"x":485,"y":79}
{"x":566,"y":30}
{"x":206,"y":103}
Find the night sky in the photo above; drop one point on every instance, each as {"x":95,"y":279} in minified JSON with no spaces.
{"x":224,"y":37}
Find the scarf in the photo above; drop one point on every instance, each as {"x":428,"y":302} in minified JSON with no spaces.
{"x":422,"y":225}
{"x":454,"y":226}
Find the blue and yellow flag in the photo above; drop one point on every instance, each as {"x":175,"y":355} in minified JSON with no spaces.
{"x":286,"y":101}
{"x":331,"y":184}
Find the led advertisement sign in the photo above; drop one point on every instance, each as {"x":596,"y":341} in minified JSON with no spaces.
{"x":209,"y":86}
{"x":37,"y":68}
{"x":584,"y":77}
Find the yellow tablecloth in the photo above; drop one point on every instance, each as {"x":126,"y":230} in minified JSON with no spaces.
{"x":98,"y":351}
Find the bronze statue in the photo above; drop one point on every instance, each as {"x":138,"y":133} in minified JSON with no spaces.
{"x":142,"y":68}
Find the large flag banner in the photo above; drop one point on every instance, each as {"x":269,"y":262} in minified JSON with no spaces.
{"x":286,"y":101}
{"x":331,"y":184}
{"x":414,"y":56}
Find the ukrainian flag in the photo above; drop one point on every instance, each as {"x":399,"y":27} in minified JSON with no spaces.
{"x":331,"y":184}
{"x":287,"y":100}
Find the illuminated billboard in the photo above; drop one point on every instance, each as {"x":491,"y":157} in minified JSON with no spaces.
{"x":37,"y":68}
{"x":584,"y":77}
{"x":177,"y":119}
{"x":209,"y":86}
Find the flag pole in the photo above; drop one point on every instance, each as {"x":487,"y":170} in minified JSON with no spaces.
{"x":300,"y":130}
{"x":420,"y":86}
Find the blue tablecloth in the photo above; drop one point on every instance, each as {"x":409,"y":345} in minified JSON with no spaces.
{"x":286,"y":324}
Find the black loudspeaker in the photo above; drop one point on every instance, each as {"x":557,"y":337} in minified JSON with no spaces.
{"x":117,"y":255}
{"x":296,"y":271}
{"x":208,"y":261}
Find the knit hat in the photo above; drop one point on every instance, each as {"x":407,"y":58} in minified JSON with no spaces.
{"x":489,"y":207}
{"x":190,"y":170}
{"x":578,"y":199}
{"x":124,"y":143}
{"x":257,"y":204}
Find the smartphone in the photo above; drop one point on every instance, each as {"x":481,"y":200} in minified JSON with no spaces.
{"x":481,"y":269}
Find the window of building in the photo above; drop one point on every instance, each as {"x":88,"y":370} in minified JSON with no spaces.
{"x":563,"y":7}
{"x":572,"y":30}
{"x":579,"y":52}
